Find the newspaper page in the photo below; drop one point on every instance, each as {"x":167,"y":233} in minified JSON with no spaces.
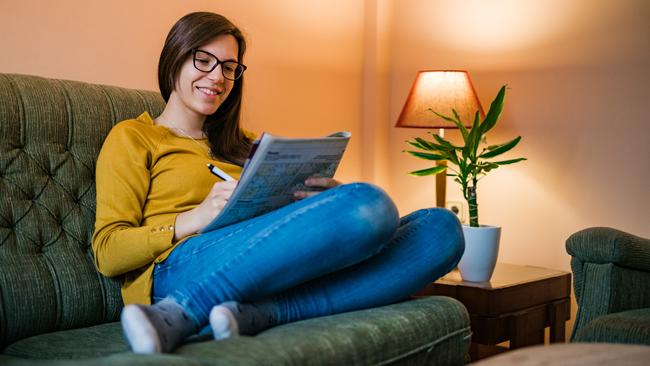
{"x":277,"y":168}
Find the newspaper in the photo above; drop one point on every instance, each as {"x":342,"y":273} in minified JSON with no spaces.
{"x":276,"y":169}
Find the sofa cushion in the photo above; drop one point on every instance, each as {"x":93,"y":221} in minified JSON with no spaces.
{"x":632,"y":326}
{"x":98,"y":340}
{"x":431,"y":330}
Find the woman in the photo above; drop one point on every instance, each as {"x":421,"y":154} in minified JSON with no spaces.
{"x":339,"y":250}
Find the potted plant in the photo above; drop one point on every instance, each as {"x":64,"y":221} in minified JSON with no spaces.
{"x":469,"y":165}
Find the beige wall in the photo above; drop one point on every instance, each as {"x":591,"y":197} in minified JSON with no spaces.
{"x":577,"y":71}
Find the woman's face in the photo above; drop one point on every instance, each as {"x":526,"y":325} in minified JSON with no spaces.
{"x":201,"y":93}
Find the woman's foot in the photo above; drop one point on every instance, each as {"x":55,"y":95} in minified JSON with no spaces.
{"x":231,"y":319}
{"x":223,"y":323}
{"x":157,"y":328}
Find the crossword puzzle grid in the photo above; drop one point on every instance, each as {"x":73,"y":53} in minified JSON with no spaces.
{"x":275,"y":179}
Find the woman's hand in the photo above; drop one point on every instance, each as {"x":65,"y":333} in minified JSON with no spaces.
{"x":320,"y":183}
{"x":190,"y":222}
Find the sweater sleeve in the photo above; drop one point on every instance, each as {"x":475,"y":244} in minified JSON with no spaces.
{"x":120,"y":244}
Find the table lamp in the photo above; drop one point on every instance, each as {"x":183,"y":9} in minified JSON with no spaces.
{"x":440,"y":90}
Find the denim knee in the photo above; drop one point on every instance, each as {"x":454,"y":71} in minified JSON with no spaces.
{"x":443,"y":220}
{"x":373,"y":215}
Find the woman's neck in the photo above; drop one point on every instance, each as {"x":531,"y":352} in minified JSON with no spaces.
{"x":174,"y":117}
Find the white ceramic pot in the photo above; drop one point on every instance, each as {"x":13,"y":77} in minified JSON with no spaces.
{"x":481,"y":251}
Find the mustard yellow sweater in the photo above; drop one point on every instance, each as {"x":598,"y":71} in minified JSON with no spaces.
{"x":145,"y":177}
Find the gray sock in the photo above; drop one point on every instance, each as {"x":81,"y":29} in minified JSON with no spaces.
{"x":249,"y":319}
{"x":157,"y":328}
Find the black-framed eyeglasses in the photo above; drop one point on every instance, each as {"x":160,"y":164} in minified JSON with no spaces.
{"x":206,"y":62}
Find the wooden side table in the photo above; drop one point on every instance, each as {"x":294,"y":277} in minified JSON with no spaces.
{"x":516,"y":305}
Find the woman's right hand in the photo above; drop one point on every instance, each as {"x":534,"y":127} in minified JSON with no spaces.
{"x":190,"y":222}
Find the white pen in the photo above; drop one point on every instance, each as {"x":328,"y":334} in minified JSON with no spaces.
{"x":220,"y":173}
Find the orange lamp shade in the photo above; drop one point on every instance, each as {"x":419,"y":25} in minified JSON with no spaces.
{"x":440,"y":90}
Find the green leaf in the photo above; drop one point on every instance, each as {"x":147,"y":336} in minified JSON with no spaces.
{"x":490,"y":166}
{"x":471,"y":145}
{"x":447,"y":118}
{"x":429,"y":171}
{"x":418,"y":145}
{"x":501,"y":148}
{"x":427,"y":156}
{"x":439,"y":148}
{"x":450,"y":155}
{"x":512,"y":161}
{"x":459,"y":124}
{"x":484,"y":168}
{"x":479,"y":137}
{"x":444,"y":143}
{"x":495,"y":110}
{"x":429,"y":146}
{"x":456,"y":116}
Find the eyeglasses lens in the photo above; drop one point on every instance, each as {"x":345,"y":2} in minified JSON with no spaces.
{"x":206,"y":62}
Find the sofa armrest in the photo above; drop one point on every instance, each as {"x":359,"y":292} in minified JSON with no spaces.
{"x":607,"y":245}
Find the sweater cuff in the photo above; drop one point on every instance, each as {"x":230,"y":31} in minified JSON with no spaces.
{"x":161,"y":237}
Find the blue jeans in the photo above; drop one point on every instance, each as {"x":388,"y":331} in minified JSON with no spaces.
{"x":341,"y":250}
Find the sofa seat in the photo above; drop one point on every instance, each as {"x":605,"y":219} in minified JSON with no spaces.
{"x":431,"y":330}
{"x":632,"y":326}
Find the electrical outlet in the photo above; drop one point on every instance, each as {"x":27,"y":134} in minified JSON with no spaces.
{"x":458,"y":208}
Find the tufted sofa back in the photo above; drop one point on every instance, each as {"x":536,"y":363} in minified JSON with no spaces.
{"x":51,"y":132}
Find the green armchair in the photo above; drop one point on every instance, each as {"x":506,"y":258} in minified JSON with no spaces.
{"x":611,"y":271}
{"x":56,"y":309}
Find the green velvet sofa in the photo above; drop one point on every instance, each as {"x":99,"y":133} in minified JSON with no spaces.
{"x":611,"y":272}
{"x":56,"y":309}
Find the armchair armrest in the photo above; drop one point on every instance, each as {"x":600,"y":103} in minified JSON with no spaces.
{"x":611,"y":273}
{"x":607,"y":245}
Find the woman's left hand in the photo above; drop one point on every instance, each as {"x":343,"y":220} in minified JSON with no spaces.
{"x":320,"y":183}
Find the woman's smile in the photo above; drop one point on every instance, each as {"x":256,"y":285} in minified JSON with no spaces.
{"x":209,"y":91}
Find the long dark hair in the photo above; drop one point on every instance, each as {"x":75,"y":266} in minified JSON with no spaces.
{"x":227,"y":141}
